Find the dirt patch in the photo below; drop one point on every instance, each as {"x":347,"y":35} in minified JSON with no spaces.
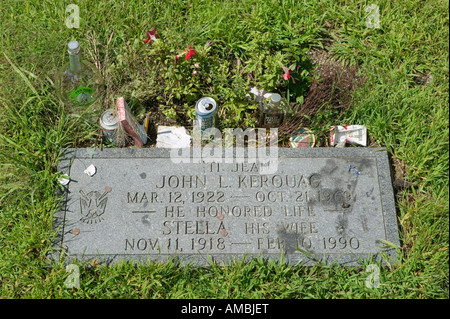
{"x":333,"y":82}
{"x":400,"y":182}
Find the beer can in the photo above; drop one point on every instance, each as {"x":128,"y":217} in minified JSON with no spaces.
{"x":205,"y":110}
{"x":109,"y":124}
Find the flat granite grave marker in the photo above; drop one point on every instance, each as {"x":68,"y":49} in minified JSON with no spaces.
{"x":322,"y":204}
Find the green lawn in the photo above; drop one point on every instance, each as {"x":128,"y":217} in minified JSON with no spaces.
{"x":403,"y":101}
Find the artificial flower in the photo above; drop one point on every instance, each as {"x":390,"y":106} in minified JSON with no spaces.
{"x":286,"y":75}
{"x":151,"y":36}
{"x":190,"y":53}
{"x":260,"y":95}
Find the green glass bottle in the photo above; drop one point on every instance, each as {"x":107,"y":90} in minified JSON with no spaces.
{"x":79,"y":83}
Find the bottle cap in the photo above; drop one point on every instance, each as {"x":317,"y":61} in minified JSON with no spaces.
{"x":275,"y":97}
{"x":74,"y":47}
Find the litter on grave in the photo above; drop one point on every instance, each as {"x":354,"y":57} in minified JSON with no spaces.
{"x":130,"y":124}
{"x":302,"y":137}
{"x":270,"y":110}
{"x":109,"y":123}
{"x":64,"y":180}
{"x":172,"y":137}
{"x":259,"y":95}
{"x":205,"y":111}
{"x":146,"y":122}
{"x":91,"y":170}
{"x":119,"y":124}
{"x":351,"y":134}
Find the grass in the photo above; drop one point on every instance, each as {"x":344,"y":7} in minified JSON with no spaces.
{"x":403,"y":103}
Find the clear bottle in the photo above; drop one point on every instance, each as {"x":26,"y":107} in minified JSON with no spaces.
{"x":271,"y":113}
{"x":79,"y":83}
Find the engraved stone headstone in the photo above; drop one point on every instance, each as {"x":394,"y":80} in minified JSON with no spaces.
{"x":323,"y":204}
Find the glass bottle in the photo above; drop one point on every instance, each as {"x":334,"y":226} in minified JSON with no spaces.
{"x":271,"y":112}
{"x":79,"y":83}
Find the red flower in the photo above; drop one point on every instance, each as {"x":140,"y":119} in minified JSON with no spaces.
{"x":151,"y":36}
{"x":190,"y":53}
{"x":286,"y":75}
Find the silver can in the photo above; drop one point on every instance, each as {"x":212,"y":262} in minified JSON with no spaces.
{"x":205,"y":110}
{"x":109,"y":124}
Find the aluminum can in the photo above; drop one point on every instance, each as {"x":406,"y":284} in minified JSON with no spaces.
{"x":205,"y":110}
{"x":109,"y":124}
